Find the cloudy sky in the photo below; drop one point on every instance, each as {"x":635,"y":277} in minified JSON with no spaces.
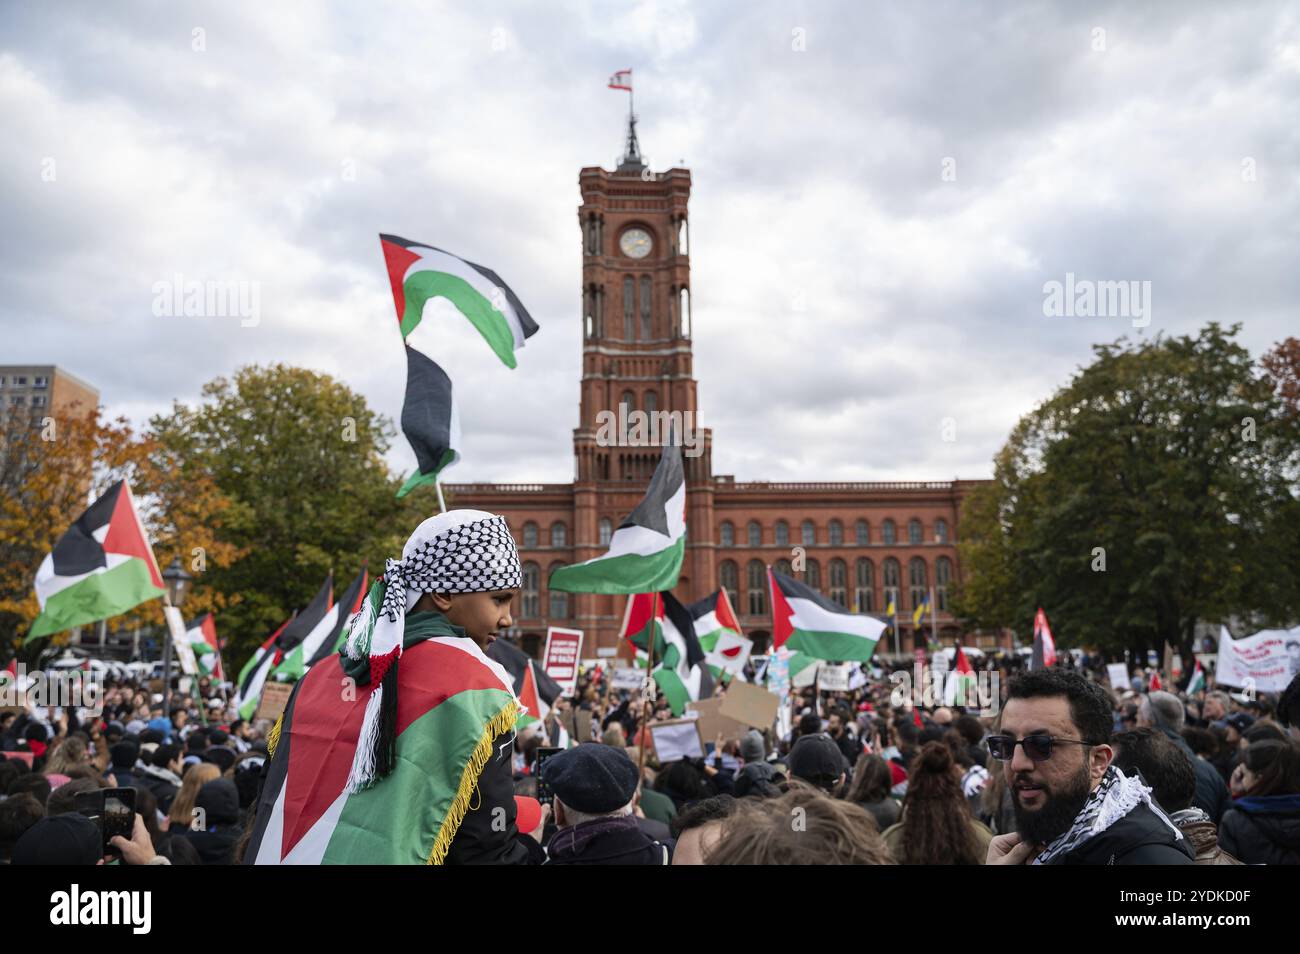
{"x":881,"y":191}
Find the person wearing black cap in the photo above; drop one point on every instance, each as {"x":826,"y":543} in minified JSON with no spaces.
{"x":817,"y":760}
{"x":594,"y":788}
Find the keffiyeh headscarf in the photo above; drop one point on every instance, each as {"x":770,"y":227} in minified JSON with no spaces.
{"x":1115,"y":797}
{"x":462,"y":551}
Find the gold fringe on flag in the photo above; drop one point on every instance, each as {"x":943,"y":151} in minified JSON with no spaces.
{"x":500,"y":723}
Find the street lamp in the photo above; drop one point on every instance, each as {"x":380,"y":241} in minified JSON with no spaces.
{"x":178,"y":587}
{"x":178,"y":582}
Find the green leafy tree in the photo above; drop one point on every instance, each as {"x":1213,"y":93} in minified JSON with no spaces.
{"x":1155,"y":490}
{"x":300,"y":456}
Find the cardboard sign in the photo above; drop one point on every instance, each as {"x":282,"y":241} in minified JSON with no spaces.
{"x":630,"y":677}
{"x":560,"y":659}
{"x":1118,"y":674}
{"x":834,"y":678}
{"x":677,"y":739}
{"x":713,"y":723}
{"x":180,"y":644}
{"x":275,"y":696}
{"x":751,"y":705}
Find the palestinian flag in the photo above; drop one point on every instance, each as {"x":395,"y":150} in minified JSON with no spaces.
{"x":645,"y":552}
{"x":201,"y":634}
{"x":679,"y":667}
{"x":812,"y":624}
{"x":1197,"y":682}
{"x":430,"y":420}
{"x":286,"y":639}
{"x":533,"y":709}
{"x":261,"y":656}
{"x":726,"y":648}
{"x":419,"y":272}
{"x":101,"y":567}
{"x":1044,"y":653}
{"x":326,"y":637}
{"x":961,"y":689}
{"x":453,"y":703}
{"x":517,"y":662}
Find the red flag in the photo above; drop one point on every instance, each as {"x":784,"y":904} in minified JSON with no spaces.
{"x":1155,"y":682}
{"x":963,"y":664}
{"x":916,"y":719}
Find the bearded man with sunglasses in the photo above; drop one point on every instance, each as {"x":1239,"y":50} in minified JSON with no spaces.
{"x":1072,"y":806}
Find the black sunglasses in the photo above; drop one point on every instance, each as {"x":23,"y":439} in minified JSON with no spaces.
{"x":1037,"y":746}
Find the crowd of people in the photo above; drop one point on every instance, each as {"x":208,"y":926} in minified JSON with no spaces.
{"x":1068,"y":770}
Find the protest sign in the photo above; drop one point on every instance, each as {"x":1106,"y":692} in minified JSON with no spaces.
{"x":713,"y":723}
{"x":1266,"y":662}
{"x":834,"y":677}
{"x":560,"y":660}
{"x":676,"y":739}
{"x":1118,"y":674}
{"x":275,"y":696}
{"x":752,"y":705}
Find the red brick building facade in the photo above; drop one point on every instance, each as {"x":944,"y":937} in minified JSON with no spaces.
{"x":858,"y":543}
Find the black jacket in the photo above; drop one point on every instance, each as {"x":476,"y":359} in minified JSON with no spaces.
{"x":606,"y":841}
{"x":1139,"y":838}
{"x":478,"y":841}
{"x":1263,"y":830}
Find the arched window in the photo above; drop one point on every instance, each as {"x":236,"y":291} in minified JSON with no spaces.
{"x":629,"y":400}
{"x":837,"y":533}
{"x":685,"y":311}
{"x":808,"y":533}
{"x":755,"y":534}
{"x":559,"y":599}
{"x":782,"y":533}
{"x":629,"y":308}
{"x":917,"y":580}
{"x":914,"y":531}
{"x":942,"y":577}
{"x":756,"y":578}
{"x":813,"y":574}
{"x":893,"y":581}
{"x":839,"y":582}
{"x":941,"y":530}
{"x":862,"y":533}
{"x":589,"y":310}
{"x":729,"y":580}
{"x":645,"y":307}
{"x":531,"y":599}
{"x":530,"y":535}
{"x":783,"y":567}
{"x":606,"y":531}
{"x":652,"y":405}
{"x":888,"y":533}
{"x":865,"y":591}
{"x":727,"y":534}
{"x":559,"y":535}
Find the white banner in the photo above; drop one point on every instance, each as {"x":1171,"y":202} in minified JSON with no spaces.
{"x":1265,"y":662}
{"x":1118,"y":673}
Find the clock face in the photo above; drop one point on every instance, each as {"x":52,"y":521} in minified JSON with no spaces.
{"x":635,"y":243}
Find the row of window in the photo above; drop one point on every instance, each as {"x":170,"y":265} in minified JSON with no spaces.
{"x":20,"y":381}
{"x":864,"y":583}
{"x":754,"y":532}
{"x":560,"y":534}
{"x":18,"y":400}
{"x":638,"y":310}
{"x":835,"y":533}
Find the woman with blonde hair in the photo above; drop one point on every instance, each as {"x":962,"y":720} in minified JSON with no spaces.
{"x":195,"y":777}
{"x":70,"y":756}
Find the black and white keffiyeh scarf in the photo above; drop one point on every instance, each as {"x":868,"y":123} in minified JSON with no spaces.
{"x":1115,"y":797}
{"x":462,"y":551}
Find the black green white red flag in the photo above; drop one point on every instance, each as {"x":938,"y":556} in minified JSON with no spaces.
{"x":726,"y":647}
{"x":101,"y":567}
{"x":680,"y":670}
{"x":645,"y":552}
{"x":202,"y":637}
{"x":805,"y":621}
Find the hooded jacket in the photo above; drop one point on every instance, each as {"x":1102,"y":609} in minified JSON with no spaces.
{"x":1263,"y":830}
{"x":606,"y":841}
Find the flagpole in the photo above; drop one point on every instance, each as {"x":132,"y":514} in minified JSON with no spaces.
{"x":649,"y":672}
{"x":442,"y":504}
